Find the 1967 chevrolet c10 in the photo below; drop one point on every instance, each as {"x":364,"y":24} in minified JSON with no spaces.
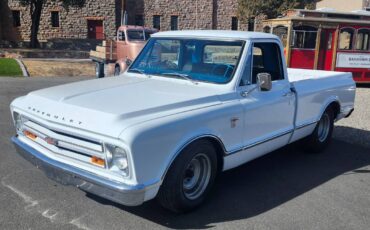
{"x":191,"y":105}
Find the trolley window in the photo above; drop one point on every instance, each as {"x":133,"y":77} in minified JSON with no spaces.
{"x":346,"y":38}
{"x":362,"y":39}
{"x":304,"y":37}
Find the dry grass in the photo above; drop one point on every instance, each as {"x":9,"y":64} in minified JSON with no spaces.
{"x":59,"y":68}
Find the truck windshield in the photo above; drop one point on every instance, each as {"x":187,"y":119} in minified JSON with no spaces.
{"x":199,"y":60}
{"x":138,"y":35}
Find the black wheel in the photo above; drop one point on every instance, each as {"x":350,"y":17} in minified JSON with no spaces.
{"x":99,"y":70}
{"x":117,"y":70}
{"x":190,"y":178}
{"x":322,"y":135}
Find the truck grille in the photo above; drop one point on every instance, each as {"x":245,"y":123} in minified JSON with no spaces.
{"x":64,"y":144}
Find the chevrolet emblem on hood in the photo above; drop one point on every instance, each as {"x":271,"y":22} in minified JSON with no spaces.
{"x":54,"y":116}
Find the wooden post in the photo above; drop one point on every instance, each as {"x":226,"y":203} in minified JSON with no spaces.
{"x":288,"y":42}
{"x":335,"y":48}
{"x":317,"y":47}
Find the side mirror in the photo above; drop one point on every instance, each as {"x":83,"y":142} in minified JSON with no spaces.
{"x":128,"y":62}
{"x":264,"y":81}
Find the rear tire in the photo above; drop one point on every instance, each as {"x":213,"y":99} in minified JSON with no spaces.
{"x":322,"y":135}
{"x":190,"y":178}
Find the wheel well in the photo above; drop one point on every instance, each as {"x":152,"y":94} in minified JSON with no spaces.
{"x":335,"y":106}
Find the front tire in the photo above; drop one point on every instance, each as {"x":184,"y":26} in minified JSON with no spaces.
{"x":322,"y":135}
{"x":190,"y":178}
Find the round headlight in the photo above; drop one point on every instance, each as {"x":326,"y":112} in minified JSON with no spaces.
{"x":120,"y":158}
{"x":120,"y":162}
{"x":18,"y":122}
{"x":117,"y":158}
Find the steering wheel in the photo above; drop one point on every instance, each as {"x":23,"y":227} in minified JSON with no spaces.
{"x":228,"y":68}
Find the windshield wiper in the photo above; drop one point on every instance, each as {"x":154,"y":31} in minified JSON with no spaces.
{"x":182,"y":75}
{"x":136,"y":70}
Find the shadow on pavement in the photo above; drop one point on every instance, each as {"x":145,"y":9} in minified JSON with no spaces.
{"x":261,"y":185}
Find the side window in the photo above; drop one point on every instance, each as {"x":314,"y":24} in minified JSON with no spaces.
{"x":121,"y":35}
{"x":221,"y":54}
{"x":346,"y":38}
{"x":163,"y":54}
{"x":267,"y":59}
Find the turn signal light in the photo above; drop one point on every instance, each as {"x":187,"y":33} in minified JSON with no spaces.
{"x":98,"y":161}
{"x":29,"y":134}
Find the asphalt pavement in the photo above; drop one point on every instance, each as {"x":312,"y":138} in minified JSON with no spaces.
{"x":287,"y":189}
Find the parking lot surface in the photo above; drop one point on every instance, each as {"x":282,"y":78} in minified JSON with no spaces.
{"x":287,"y":189}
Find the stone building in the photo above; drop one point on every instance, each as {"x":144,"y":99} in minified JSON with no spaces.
{"x":193,"y":14}
{"x":93,"y":19}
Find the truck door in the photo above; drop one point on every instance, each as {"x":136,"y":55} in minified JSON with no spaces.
{"x":268,"y":115}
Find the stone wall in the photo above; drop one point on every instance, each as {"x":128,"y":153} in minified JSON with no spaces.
{"x":194,"y":14}
{"x":73,"y":19}
{"x":191,"y":14}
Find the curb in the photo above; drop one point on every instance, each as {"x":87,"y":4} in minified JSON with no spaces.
{"x":23,"y":68}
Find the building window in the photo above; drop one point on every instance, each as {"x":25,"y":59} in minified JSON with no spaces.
{"x":174,"y":22}
{"x":267,"y":29}
{"x":346,"y":38}
{"x":139,"y":20}
{"x":16,"y":18}
{"x":282,"y":33}
{"x":362,"y":39}
{"x":157,"y":22}
{"x":234,"y":23}
{"x":55,"y":18}
{"x":251,"y":24}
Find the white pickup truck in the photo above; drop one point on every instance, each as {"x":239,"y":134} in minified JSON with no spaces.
{"x":191,"y":105}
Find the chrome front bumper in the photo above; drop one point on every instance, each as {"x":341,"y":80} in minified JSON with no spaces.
{"x":86,"y":181}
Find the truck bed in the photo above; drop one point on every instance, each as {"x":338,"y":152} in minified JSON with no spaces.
{"x":316,"y":89}
{"x":296,"y":75}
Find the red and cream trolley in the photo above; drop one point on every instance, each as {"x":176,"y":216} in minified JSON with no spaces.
{"x":325,"y":40}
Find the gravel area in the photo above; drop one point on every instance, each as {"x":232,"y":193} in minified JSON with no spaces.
{"x":356,"y":128}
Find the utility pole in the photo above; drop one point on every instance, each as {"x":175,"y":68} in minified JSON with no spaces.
{"x":122,"y":12}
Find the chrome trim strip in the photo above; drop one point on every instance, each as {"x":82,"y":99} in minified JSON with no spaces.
{"x":305,"y":125}
{"x":260,"y":142}
{"x":125,"y":194}
{"x":61,"y":140}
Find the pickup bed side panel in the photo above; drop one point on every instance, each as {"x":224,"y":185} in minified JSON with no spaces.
{"x":315,"y":95}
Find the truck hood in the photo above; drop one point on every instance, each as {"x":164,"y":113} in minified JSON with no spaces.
{"x":110,"y":105}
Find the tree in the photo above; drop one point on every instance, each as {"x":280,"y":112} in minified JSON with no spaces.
{"x":272,"y":8}
{"x":36,"y":7}
{"x":35,"y":13}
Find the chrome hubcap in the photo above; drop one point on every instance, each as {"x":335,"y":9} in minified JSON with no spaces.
{"x":324,"y":127}
{"x":196,"y":177}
